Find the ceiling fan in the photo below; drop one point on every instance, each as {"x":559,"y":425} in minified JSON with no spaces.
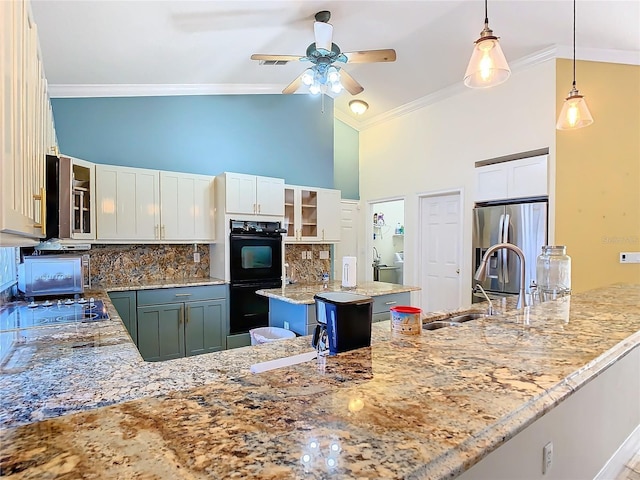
{"x":323,"y":76}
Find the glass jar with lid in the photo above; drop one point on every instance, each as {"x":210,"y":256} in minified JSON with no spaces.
{"x":553,"y":272}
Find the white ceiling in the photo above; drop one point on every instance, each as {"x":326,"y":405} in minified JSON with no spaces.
{"x":206,"y":45}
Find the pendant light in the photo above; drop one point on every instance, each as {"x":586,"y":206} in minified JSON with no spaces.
{"x":488,"y":66}
{"x":575,"y":112}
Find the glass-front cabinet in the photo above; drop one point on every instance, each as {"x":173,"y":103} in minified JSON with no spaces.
{"x":311,"y":214}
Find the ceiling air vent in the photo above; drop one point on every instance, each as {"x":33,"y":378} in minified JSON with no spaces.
{"x":273,"y":62}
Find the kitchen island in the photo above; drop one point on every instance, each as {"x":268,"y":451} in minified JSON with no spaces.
{"x":425,"y":406}
{"x":292,"y":306}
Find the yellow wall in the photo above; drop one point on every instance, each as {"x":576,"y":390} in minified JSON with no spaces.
{"x":598,"y":174}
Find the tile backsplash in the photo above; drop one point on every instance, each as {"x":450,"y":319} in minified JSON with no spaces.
{"x":307,"y":270}
{"x":115,"y":264}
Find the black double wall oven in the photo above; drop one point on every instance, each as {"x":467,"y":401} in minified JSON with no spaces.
{"x":255,"y":250}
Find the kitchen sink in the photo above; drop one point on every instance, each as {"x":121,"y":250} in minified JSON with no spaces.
{"x":465,"y":317}
{"x":439,"y":324}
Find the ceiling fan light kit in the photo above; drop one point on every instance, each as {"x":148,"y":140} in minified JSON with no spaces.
{"x":488,"y":66}
{"x":358,"y":106}
{"x":575,"y":112}
{"x":323,"y":76}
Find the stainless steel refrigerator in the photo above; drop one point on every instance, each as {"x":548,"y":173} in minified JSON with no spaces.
{"x":524,"y":225}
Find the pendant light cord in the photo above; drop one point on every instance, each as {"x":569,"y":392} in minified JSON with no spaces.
{"x":486,"y":15}
{"x":574,"y":43}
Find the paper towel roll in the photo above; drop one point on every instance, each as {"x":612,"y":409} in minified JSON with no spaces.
{"x":349,"y":272}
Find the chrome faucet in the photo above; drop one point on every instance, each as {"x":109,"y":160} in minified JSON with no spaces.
{"x":479,"y":287}
{"x":481,"y":273}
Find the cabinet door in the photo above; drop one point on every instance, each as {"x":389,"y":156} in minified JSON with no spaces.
{"x":125,"y":304}
{"x":161,"y":332}
{"x":83,"y":205}
{"x":309,"y":214}
{"x":270,"y":196}
{"x":186,"y":207}
{"x":527,"y":177}
{"x":240,"y":193}
{"x":329,"y":215}
{"x":23,"y":147}
{"x":491,"y":182}
{"x":205,"y":326}
{"x":128,"y":203}
{"x":291,"y":213}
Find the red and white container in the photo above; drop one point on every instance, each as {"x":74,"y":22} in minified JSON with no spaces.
{"x":406,"y":320}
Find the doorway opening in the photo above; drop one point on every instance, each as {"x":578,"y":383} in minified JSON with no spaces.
{"x":387,"y":252}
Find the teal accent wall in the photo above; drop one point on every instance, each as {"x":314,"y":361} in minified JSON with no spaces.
{"x":346,"y":164}
{"x":285,"y":136}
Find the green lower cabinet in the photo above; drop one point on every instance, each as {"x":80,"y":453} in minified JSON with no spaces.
{"x":125,"y":304}
{"x":161,"y":332}
{"x":204,"y":328}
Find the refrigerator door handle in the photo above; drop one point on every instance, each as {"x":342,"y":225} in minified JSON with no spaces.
{"x":505,"y":239}
{"x":500,"y":236}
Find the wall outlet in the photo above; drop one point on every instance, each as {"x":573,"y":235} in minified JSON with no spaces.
{"x":304,"y":255}
{"x":629,"y":257}
{"x":309,"y":255}
{"x":547,"y":457}
{"x":324,"y":254}
{"x":286,"y":325}
{"x":196,"y":257}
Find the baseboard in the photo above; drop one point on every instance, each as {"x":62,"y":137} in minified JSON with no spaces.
{"x":615,"y":465}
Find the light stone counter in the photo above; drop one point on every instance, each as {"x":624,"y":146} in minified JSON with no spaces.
{"x":148,"y":285}
{"x":302,"y":293}
{"x":428,"y":406}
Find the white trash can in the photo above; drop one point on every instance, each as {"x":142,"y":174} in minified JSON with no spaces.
{"x":269,"y":334}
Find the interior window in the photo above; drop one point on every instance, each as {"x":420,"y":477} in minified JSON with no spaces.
{"x":8,"y":267}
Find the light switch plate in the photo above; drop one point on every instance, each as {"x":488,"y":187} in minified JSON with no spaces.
{"x":309,"y":255}
{"x":324,"y":254}
{"x":629,"y":257}
{"x":196,"y":257}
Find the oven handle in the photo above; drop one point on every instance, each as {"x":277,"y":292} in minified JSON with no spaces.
{"x":277,"y":237}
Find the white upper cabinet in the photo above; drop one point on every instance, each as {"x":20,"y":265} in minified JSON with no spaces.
{"x":138,"y":204}
{"x":128,"y":201}
{"x":329,"y":215}
{"x":186,"y":207}
{"x":522,"y":178}
{"x":81,"y":221}
{"x":253,"y":195}
{"x":311,"y":214}
{"x":26,"y":124}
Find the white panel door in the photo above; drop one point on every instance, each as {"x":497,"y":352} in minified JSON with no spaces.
{"x":348,"y":245}
{"x":240,"y":193}
{"x":329,"y":215}
{"x":270,"y":196}
{"x":440,"y":240}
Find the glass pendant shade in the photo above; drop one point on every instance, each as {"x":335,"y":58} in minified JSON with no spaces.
{"x":488,"y":66}
{"x":575,"y":112}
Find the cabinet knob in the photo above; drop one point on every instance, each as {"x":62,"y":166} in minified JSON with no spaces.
{"x":181,"y":317}
{"x":155,"y":231}
{"x":323,"y":233}
{"x":390,"y":303}
{"x":188,"y":313}
{"x":162,"y":234}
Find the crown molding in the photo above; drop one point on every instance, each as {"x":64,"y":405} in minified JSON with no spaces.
{"x":346,"y":118}
{"x":624,"y":57}
{"x":157,"y":90}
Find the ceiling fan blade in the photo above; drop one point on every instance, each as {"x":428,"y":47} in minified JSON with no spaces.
{"x":371,"y":56}
{"x":324,"y":35}
{"x":293,"y":86}
{"x":281,"y":58}
{"x":349,"y":83}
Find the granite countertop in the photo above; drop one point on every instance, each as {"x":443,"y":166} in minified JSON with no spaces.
{"x":148,"y":285}
{"x":302,"y":293}
{"x":366,"y":410}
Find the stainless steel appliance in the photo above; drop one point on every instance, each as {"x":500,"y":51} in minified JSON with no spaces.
{"x":344,"y":321}
{"x":522,"y":224}
{"x":46,"y":275}
{"x":255,"y":263}
{"x":48,"y":313}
